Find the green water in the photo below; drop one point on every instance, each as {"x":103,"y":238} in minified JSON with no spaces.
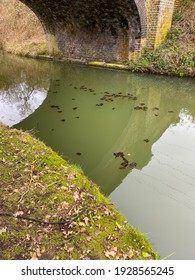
{"x":87,"y":114}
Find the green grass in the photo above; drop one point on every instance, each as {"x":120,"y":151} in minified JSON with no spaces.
{"x":38,"y":183}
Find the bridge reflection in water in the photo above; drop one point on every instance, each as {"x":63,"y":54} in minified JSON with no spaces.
{"x":89,"y":114}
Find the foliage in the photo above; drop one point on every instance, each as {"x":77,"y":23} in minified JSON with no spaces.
{"x":176,"y":56}
{"x":171,"y":60}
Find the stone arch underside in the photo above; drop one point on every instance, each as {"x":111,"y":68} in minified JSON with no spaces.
{"x":103,"y":30}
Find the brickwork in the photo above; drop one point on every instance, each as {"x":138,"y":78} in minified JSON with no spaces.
{"x":103,"y":30}
{"x":159,"y":19}
{"x":165,"y":13}
{"x":141,"y":5}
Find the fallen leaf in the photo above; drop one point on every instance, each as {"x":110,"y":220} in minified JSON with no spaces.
{"x":28,"y":237}
{"x":33,"y":256}
{"x":3,"y":230}
{"x":130,"y":253}
{"x":118,"y":225}
{"x":18,"y":213}
{"x":70,"y":250}
{"x":88,"y":238}
{"x":76,"y":195}
{"x":71,"y":176}
{"x":146,"y":254}
{"x":38,"y":252}
{"x":81,"y":224}
{"x":43,"y":250}
{"x":111,"y":253}
{"x":86,"y":219}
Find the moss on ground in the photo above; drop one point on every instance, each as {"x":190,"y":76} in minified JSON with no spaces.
{"x":37,"y":183}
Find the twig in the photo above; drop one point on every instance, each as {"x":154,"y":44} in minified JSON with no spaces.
{"x":45,"y":222}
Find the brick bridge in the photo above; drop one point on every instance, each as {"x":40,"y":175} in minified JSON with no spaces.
{"x":103,"y":30}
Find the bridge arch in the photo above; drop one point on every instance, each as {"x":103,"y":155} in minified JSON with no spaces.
{"x":103,"y":30}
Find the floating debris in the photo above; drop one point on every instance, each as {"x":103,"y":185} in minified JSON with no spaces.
{"x":79,"y":154}
{"x":55,"y":106}
{"x":133,"y":164}
{"x":106,"y":98}
{"x":55,"y":92}
{"x":63,"y":120}
{"x":74,"y":108}
{"x":143,"y":108}
{"x":60,"y":111}
{"x":113,"y":108}
{"x":99,"y":104}
{"x":146,"y":140}
{"x":73,"y":98}
{"x":118,"y":154}
{"x":52,"y":129}
{"x":155,"y":108}
{"x":125,"y":163}
{"x":138,"y":108}
{"x":77,"y":117}
{"x":156,"y":115}
{"x":57,"y":80}
{"x":170,"y":111}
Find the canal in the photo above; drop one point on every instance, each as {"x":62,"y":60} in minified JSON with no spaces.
{"x":132,"y":134}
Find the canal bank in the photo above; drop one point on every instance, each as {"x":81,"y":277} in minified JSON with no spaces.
{"x":132,"y":137}
{"x":22,"y":34}
{"x":50,"y":210}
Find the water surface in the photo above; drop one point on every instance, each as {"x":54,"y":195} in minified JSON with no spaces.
{"x":87,"y":114}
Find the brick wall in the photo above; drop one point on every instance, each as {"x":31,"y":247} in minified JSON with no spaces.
{"x":103,"y":30}
{"x":159,"y":19}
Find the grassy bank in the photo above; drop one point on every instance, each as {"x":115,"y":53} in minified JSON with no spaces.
{"x":20,"y":31}
{"x":176,"y":56}
{"x":50,"y":210}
